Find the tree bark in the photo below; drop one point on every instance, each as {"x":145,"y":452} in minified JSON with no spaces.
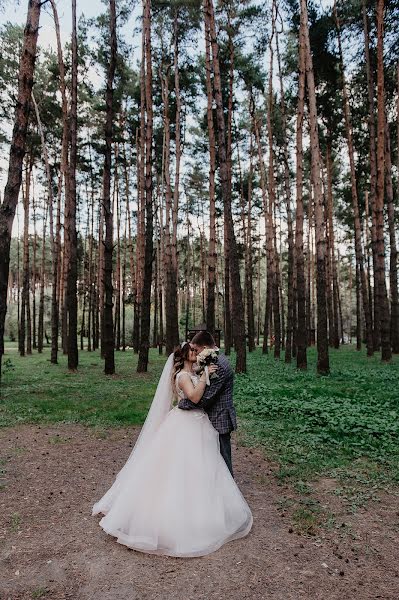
{"x":393,"y":256}
{"x":271,"y":206}
{"x":212,"y":256}
{"x":382,"y":296}
{"x":70,"y":211}
{"x":34,"y":271}
{"x":42,"y":284}
{"x":148,"y":251}
{"x":17,"y":153}
{"x":53,"y":239}
{"x":172,"y":331}
{"x":176,"y":191}
{"x":64,"y":176}
{"x":246,"y":219}
{"x":249,"y":257}
{"x":373,"y":175}
{"x":323,"y":367}
{"x":118,"y":255}
{"x":109,"y":355}
{"x":140,"y":238}
{"x":355,"y":202}
{"x":25,"y":326}
{"x":238,"y":307}
{"x":333,"y":262}
{"x":268,"y":241}
{"x":300,"y":334}
{"x":287,"y":190}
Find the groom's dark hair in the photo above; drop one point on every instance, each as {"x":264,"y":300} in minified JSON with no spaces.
{"x":203,"y":338}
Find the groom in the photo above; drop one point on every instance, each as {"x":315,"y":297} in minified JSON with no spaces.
{"x":217,"y":400}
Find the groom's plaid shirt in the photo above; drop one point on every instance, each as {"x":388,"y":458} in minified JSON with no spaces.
{"x":217,"y":400}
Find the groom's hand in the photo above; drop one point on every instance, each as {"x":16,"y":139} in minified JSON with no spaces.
{"x":211,"y":392}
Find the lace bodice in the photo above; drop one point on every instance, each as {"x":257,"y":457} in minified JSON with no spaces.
{"x":194,"y":378}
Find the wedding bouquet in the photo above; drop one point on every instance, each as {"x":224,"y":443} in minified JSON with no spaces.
{"x":208,"y":356}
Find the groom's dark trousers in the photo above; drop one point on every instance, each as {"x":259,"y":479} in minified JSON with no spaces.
{"x":217,"y":401}
{"x":225,"y":450}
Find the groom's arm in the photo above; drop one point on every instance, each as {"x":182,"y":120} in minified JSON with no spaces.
{"x":212,"y":391}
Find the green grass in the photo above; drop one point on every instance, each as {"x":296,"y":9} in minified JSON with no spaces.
{"x":39,"y":593}
{"x":345,"y":425}
{"x":35,"y":391}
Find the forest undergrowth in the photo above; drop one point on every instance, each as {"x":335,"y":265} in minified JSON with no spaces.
{"x":345,"y":425}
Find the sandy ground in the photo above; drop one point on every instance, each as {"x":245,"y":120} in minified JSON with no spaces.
{"x":51,"y":546}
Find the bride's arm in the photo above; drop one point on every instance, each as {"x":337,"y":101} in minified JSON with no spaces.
{"x":192,"y":393}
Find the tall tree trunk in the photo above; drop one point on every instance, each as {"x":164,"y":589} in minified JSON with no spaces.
{"x":109,"y":357}
{"x":17,"y":153}
{"x":368,"y":261}
{"x":100,"y":275}
{"x":287,"y":190}
{"x":228,"y":317}
{"x":42,"y":284}
{"x":118,"y":256}
{"x":373,"y":175}
{"x":246,"y":219}
{"x":238,"y":307}
{"x":172,"y":334}
{"x":132,"y":266}
{"x":148,"y":252}
{"x":160,"y":285}
{"x":350,"y":288}
{"x":34,"y":271}
{"x":249,"y":258}
{"x":271,"y":206}
{"x":393,"y":256}
{"x":188,"y":270}
{"x":382,"y":296}
{"x":355,"y":201}
{"x":310,"y":266}
{"x":85,"y":276}
{"x":300,"y":333}
{"x":212,"y":255}
{"x":333,"y":262}
{"x":91,"y":320}
{"x":358,"y":311}
{"x":258,"y":309}
{"x":176,"y":191}
{"x":124,"y":283}
{"x":58,"y":294}
{"x":54,"y":238}
{"x":55,"y":296}
{"x":268,"y":241}
{"x":140,"y":238}
{"x":70,"y":211}
{"x":25,"y":326}
{"x":156,"y":279}
{"x":329,"y":294}
{"x":323,"y":367}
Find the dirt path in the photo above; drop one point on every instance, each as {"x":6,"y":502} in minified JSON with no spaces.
{"x":52,"y":548}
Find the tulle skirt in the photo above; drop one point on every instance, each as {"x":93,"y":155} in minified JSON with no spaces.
{"x":179,"y":498}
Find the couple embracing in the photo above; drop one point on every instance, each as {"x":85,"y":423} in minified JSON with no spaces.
{"x":176,"y":494}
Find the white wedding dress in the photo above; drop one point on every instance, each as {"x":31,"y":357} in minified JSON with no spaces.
{"x":175,"y":495}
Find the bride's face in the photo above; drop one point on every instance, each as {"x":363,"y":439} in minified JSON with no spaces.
{"x":192,"y":355}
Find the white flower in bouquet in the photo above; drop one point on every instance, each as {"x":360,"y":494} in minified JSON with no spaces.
{"x":208,"y":356}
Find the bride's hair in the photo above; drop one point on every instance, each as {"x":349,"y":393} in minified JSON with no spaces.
{"x":180,"y":355}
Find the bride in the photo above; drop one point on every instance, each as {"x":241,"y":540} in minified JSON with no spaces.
{"x":175,"y":495}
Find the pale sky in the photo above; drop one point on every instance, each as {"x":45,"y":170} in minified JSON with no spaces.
{"x":15,"y":12}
